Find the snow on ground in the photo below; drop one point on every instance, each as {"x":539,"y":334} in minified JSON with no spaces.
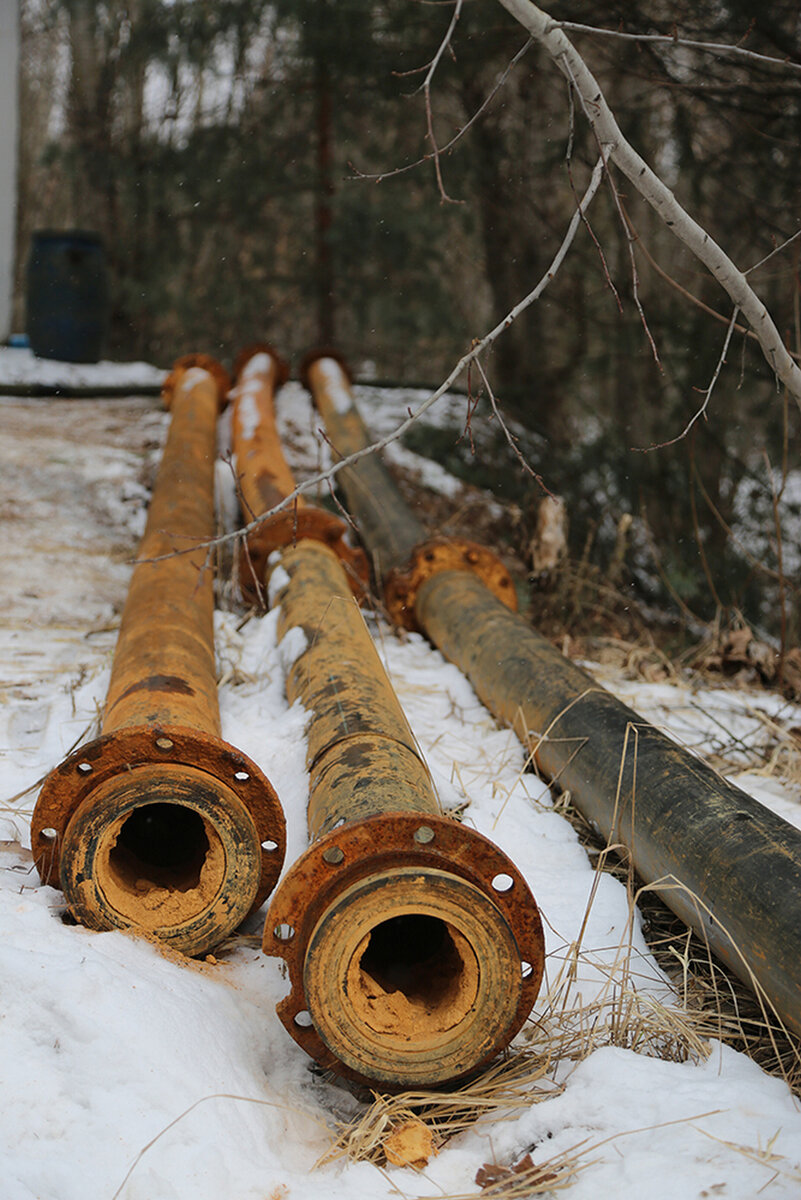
{"x":19,"y":368}
{"x":132,"y":1074}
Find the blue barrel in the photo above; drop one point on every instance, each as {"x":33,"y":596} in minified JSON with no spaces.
{"x":67,"y":295}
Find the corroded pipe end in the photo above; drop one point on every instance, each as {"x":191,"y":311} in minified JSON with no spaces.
{"x":196,"y":362}
{"x":290,"y":528}
{"x":315,"y":356}
{"x":445,"y":554}
{"x":166,"y":831}
{"x":414,"y":948}
{"x":258,"y":349}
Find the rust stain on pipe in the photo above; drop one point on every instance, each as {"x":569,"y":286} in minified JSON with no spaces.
{"x":265,"y":479}
{"x":414,"y":946}
{"x":403,"y":557}
{"x":159,"y":824}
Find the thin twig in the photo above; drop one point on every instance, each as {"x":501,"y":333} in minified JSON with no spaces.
{"x":435,"y":151}
{"x":510,"y":437}
{"x":477,"y":348}
{"x":665,"y":39}
{"x":707,"y":394}
{"x":635,"y":279}
{"x":380,"y":177}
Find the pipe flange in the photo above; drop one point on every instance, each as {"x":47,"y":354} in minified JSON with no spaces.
{"x":295,"y":525}
{"x":201,"y":362}
{"x":183,"y":866}
{"x":356,"y":880}
{"x":444,"y":554}
{"x":280,"y":365}
{"x":122,"y":754}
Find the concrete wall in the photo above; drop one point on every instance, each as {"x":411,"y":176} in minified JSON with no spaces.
{"x":9,"y":124}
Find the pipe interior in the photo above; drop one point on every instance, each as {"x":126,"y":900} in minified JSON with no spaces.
{"x":159,"y":846}
{"x":415,"y":955}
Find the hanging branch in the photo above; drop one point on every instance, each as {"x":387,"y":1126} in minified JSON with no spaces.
{"x":477,"y":348}
{"x":549,"y":35}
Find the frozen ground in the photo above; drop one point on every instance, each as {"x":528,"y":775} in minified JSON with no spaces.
{"x":130,"y":1073}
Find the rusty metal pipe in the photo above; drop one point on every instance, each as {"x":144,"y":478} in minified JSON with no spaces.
{"x":413,"y":945}
{"x":159,"y":824}
{"x":730,"y":868}
{"x":388,"y":528}
{"x":265,"y":479}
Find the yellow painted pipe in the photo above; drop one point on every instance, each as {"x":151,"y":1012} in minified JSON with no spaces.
{"x":413,"y":944}
{"x":265,"y":479}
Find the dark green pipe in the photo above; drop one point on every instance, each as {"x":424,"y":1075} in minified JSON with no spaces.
{"x":388,"y":529}
{"x":725,"y":864}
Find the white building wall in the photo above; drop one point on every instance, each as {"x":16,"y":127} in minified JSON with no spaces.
{"x":9,"y":124}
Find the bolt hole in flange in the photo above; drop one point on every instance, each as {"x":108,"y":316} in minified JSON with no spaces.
{"x":284,"y":933}
{"x":49,"y":834}
{"x":84,"y":768}
{"x":269,"y":846}
{"x":241,"y":776}
{"x":525,"y":969}
{"x":503,"y":883}
{"x":159,"y":845}
{"x":303,"y":1019}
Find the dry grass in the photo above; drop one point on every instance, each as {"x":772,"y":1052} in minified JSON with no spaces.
{"x":508,"y":1086}
{"x":626,"y":1010}
{"x":716,"y":1002}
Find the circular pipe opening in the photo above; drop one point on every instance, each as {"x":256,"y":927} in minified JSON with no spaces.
{"x":159,"y":846}
{"x":413,"y":974}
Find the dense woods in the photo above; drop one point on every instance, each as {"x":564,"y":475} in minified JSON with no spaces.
{"x":228,"y":151}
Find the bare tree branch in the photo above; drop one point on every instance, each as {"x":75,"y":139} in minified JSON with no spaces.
{"x":500,"y":81}
{"x":665,"y":39}
{"x":477,"y":348}
{"x":547,"y":32}
{"x":435,"y":151}
{"x":707,"y":394}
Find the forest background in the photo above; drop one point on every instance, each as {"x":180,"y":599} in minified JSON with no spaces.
{"x":241,"y":159}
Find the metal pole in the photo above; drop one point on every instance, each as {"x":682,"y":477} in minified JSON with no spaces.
{"x":725,"y":864}
{"x":159,"y":824}
{"x":414,"y":946}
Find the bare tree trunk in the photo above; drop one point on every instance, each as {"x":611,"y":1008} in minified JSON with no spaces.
{"x":324,"y":283}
